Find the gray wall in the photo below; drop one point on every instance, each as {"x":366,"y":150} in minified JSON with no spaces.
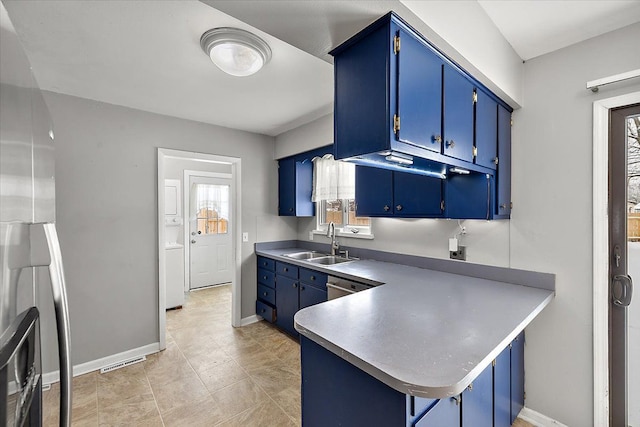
{"x":106,"y":165}
{"x":551,"y":226}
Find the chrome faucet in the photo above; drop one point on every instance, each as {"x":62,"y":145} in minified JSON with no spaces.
{"x":331,"y":233}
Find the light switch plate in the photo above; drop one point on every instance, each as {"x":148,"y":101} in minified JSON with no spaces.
{"x":245,"y":237}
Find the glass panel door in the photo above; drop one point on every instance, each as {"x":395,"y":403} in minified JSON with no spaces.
{"x":624,"y":246}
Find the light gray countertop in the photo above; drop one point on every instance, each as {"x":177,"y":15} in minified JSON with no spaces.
{"x":425,"y":333}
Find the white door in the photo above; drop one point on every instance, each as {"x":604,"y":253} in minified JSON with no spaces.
{"x":209,"y":231}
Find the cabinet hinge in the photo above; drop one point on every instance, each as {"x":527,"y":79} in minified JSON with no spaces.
{"x":442,"y":205}
{"x":475,"y":152}
{"x":525,"y":395}
{"x":396,"y":123}
{"x":496,"y":160}
{"x":493,"y":363}
{"x":511,"y":120}
{"x":510,"y":205}
{"x":396,"y":44}
{"x":475,"y":97}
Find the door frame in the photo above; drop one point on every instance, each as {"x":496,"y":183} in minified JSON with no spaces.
{"x":236,"y":284}
{"x":187,"y":174}
{"x":601,"y":252}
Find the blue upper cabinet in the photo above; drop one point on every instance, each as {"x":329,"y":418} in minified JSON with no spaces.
{"x":419,"y":93}
{"x":385,"y":193}
{"x":503,"y":198}
{"x":295,"y":183}
{"x":486,"y":130}
{"x":458,"y":115}
{"x":402,"y":105}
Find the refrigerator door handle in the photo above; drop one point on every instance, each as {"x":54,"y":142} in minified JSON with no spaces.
{"x":58,"y":285}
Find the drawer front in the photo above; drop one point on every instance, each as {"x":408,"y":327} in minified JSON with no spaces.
{"x":266,"y":311}
{"x":287,"y":270}
{"x":313,"y":278}
{"x":266,"y":263}
{"x":267,"y":294}
{"x":267,"y":278}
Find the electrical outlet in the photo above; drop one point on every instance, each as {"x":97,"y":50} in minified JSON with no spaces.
{"x":245,"y":237}
{"x":460,"y":254}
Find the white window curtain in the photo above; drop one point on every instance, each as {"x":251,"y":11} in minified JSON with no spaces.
{"x":333,"y":180}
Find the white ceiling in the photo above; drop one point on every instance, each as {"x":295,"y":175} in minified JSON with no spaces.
{"x":146,"y":54}
{"x":537,"y":27}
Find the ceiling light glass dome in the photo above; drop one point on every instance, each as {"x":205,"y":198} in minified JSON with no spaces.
{"x":235,"y":51}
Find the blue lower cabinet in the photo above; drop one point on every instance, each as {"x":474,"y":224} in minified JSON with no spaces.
{"x":517,"y":376}
{"x":310,"y":295}
{"x":502,"y":389}
{"x":266,"y":311}
{"x":477,"y":401}
{"x":445,"y":413}
{"x":286,"y":303}
{"x":336,"y":393}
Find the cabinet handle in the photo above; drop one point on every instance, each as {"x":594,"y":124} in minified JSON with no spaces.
{"x":264,"y":277}
{"x":290,"y":209}
{"x":451,"y":143}
{"x":495,"y":160}
{"x":503,"y":206}
{"x":386,"y":208}
{"x":399,"y":207}
{"x":265,"y":294}
{"x":470,"y":387}
{"x":457,"y":399}
{"x":313,"y":277}
{"x":437,"y":138}
{"x":286,"y":269}
{"x":302,"y":288}
{"x":295,"y":285}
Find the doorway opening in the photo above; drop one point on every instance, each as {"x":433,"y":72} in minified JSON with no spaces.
{"x":199,"y":215}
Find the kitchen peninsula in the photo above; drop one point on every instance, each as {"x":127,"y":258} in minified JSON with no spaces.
{"x":429,"y":347}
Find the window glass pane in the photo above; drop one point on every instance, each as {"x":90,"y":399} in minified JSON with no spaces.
{"x":333,"y":212}
{"x":212,"y":205}
{"x":356,"y":220}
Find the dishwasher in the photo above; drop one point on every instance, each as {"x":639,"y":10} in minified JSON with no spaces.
{"x":338,"y":287}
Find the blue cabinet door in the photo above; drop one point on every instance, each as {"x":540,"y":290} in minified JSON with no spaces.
{"x":458,"y":115}
{"x":445,"y":413}
{"x":419,"y":94}
{"x":416,"y":195}
{"x":310,"y":295}
{"x":286,"y":303}
{"x":502,"y":389}
{"x":287,"y":187}
{"x":468,"y":196}
{"x":517,"y":376}
{"x":304,"y":188}
{"x":477,"y":401}
{"x":503,"y":198}
{"x":486,"y":130}
{"x":374,"y":191}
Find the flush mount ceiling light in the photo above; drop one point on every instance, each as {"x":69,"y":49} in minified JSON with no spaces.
{"x":235,"y":51}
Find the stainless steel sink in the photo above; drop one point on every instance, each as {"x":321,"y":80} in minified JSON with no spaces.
{"x":329,"y":260}
{"x":306,"y":255}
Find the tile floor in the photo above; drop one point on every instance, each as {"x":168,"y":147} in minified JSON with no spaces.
{"x":210,"y":375}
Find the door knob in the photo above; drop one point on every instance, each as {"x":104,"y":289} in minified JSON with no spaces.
{"x":399,"y":207}
{"x":386,"y":208}
{"x":451,"y":143}
{"x":437,"y":138}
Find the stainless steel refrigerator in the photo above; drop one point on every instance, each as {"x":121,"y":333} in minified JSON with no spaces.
{"x":32,"y":286}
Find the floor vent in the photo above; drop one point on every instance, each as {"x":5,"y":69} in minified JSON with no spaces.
{"x":122,"y":364}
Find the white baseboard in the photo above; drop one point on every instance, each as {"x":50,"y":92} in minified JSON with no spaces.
{"x":95,"y":365}
{"x":249,"y":320}
{"x":538,"y":419}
